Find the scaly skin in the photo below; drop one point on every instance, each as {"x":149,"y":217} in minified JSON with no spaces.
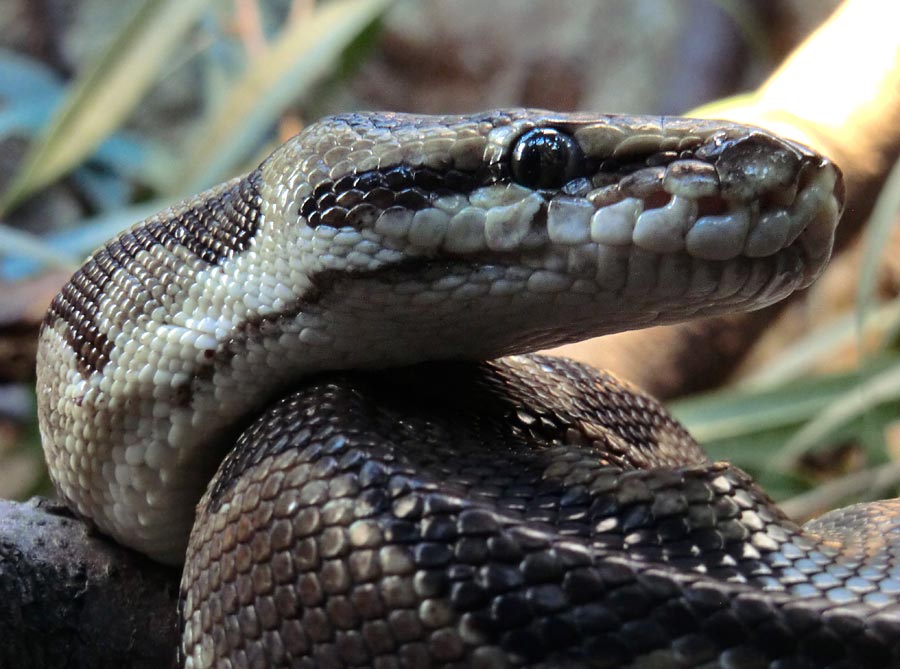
{"x":374,"y":240}
{"x":527,"y":511}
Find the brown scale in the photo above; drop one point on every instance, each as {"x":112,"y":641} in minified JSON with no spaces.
{"x":213,"y":231}
{"x":503,"y":514}
{"x":76,"y":307}
{"x":357,"y":200}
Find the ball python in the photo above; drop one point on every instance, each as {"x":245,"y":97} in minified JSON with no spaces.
{"x":427,"y":492}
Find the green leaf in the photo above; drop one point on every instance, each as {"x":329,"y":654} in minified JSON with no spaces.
{"x":101,"y":98}
{"x":878,"y":232}
{"x":878,"y":388}
{"x":304,"y":52}
{"x":809,"y":351}
{"x":739,"y":412}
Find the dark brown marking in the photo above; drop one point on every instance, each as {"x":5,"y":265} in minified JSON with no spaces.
{"x":415,"y":187}
{"x":324,"y":282}
{"x":214,"y":230}
{"x":220,"y":226}
{"x":76,"y":307}
{"x":338,"y":203}
{"x":183,"y":395}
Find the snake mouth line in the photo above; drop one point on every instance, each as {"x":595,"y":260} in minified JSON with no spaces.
{"x":629,"y":236}
{"x":686,"y":208}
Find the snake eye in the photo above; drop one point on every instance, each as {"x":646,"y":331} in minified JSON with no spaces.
{"x":545,"y":158}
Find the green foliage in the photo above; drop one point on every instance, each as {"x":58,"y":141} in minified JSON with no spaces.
{"x":296,"y":60}
{"x":246,"y":96}
{"x":103,"y":96}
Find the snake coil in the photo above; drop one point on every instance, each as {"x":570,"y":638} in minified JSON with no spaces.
{"x":524,"y":511}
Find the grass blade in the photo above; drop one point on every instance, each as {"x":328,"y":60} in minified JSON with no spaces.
{"x":878,"y":232}
{"x":740,"y":412}
{"x":869,"y":483}
{"x":878,"y":388}
{"x":105,"y":94}
{"x":304,"y":52}
{"x":802,"y":356}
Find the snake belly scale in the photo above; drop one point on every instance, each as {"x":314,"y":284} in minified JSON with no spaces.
{"x":521,"y":512}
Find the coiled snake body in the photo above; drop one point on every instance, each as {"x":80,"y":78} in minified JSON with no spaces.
{"x":523,"y":511}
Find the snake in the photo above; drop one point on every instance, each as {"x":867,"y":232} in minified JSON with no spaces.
{"x":316,"y":387}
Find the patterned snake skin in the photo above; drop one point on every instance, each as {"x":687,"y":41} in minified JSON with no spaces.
{"x":520,"y":512}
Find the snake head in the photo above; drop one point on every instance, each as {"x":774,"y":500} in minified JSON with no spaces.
{"x":562,"y":226}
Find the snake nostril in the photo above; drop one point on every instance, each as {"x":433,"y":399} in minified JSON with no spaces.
{"x":750,"y":165}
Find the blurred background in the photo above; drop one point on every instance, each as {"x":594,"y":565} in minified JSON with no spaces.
{"x":111,"y":111}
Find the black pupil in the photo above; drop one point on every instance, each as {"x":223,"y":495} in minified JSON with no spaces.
{"x":545,"y":158}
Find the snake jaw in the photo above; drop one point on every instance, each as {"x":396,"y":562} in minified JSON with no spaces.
{"x":639,"y":221}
